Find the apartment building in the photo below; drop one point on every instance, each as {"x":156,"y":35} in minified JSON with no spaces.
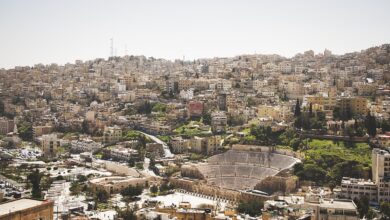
{"x":85,"y":145}
{"x":179,"y":145}
{"x":218,"y":122}
{"x":41,"y":130}
{"x":381,"y":173}
{"x":356,"y":188}
{"x":112,"y":134}
{"x":50,"y":144}
{"x":6,"y":125}
{"x":285,"y":67}
{"x":195,"y":108}
{"x":357,"y":105}
{"x":122,"y":153}
{"x":327,"y":103}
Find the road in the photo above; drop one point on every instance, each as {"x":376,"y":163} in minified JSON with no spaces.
{"x":167,"y":152}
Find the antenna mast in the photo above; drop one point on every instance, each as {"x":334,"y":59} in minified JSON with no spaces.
{"x":112,"y":47}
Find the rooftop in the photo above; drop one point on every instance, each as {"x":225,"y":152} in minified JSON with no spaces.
{"x":347,"y":180}
{"x":19,"y":205}
{"x":337,"y":204}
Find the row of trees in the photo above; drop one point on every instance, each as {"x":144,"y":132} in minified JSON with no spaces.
{"x":265,"y":135}
{"x":146,"y":108}
{"x":129,"y":193}
{"x":365,"y":211}
{"x":252,"y":207}
{"x":162,"y":189}
{"x":310,"y":120}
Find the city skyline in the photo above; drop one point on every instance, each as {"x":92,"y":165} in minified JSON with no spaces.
{"x":64,"y":31}
{"x":281,"y":109}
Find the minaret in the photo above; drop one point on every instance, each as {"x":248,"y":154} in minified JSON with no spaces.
{"x":15,"y":129}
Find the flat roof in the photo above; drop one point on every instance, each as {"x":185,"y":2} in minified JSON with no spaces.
{"x":337,"y":204}
{"x":19,"y":205}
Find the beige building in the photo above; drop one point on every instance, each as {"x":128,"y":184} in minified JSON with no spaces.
{"x":197,"y":144}
{"x":376,"y":190}
{"x":355,"y":188}
{"x":121,"y":169}
{"x":26,"y":209}
{"x":112,"y":134}
{"x":381,"y":173}
{"x":179,"y":145}
{"x":357,"y":105}
{"x":115,"y":184}
{"x":384,"y":139}
{"x":320,"y":102}
{"x":218,"y":122}
{"x":330,"y":209}
{"x":90,"y":116}
{"x":50,"y":144}
{"x":212,"y":144}
{"x":6,"y":125}
{"x":41,"y":130}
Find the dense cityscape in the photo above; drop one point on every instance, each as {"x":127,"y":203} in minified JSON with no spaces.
{"x":244,"y":137}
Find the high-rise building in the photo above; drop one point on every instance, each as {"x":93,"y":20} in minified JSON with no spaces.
{"x":381,"y":172}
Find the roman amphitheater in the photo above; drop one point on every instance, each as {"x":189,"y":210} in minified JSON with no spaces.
{"x":240,"y":169}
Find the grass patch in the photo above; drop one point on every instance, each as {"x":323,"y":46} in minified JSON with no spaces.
{"x":326,"y":161}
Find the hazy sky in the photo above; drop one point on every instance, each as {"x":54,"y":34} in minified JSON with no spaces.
{"x":48,"y":31}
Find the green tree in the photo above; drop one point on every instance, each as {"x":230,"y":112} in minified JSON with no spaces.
{"x":152,"y":164}
{"x":81,"y":178}
{"x":370,"y":125}
{"x":385,"y":125}
{"x":35,"y":180}
{"x":102,"y":196}
{"x":159,"y":107}
{"x":75,"y":188}
{"x":131,"y":162}
{"x":153,"y":189}
{"x":25,"y":131}
{"x":385,"y":209}
{"x":2,"y":108}
{"x":252,"y":208}
{"x":85,"y":127}
{"x":363,"y":206}
{"x":46,"y":182}
{"x":165,"y":186}
{"x":297,"y":111}
{"x":337,"y":113}
{"x":251,"y":102}
{"x":311,"y":172}
{"x":145,"y":108}
{"x":264,"y":134}
{"x":236,"y":120}
{"x":371,"y":214}
{"x":127,"y":214}
{"x":311,"y":109}
{"x":132,"y":191}
{"x":295,"y":143}
{"x":206,"y":119}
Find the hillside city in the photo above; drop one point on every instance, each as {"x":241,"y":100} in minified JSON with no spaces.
{"x":246,"y":137}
